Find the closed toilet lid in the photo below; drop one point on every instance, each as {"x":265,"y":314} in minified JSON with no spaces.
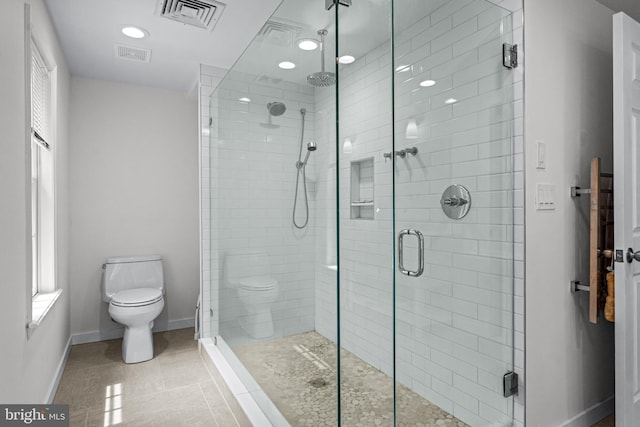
{"x":258,"y":283}
{"x":136,"y":297}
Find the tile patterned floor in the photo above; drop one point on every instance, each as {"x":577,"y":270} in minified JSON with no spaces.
{"x":610,"y":421}
{"x":298,"y":373}
{"x":173,"y":389}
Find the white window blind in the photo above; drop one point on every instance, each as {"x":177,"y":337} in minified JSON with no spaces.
{"x":40,"y":95}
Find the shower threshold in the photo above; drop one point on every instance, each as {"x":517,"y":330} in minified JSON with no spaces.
{"x":294,"y":379}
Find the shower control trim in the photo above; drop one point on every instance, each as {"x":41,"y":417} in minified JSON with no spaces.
{"x":400,"y":153}
{"x":456,"y":201}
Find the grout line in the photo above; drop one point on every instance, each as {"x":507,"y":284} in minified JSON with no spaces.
{"x":204,"y":396}
{"x":224,"y":399}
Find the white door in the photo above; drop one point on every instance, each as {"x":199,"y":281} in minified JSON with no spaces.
{"x":626,"y":153}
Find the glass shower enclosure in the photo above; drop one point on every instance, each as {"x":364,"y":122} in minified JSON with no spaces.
{"x":362,"y":214}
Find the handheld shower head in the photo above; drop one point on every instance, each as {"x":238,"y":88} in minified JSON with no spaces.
{"x":311,"y":147}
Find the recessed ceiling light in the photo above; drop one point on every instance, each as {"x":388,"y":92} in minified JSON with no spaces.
{"x":346,"y":59}
{"x":134,"y":32}
{"x":308,"y":44}
{"x":451,"y":101}
{"x":244,"y":99}
{"x":286,"y":65}
{"x":427,"y":83}
{"x":403,"y":68}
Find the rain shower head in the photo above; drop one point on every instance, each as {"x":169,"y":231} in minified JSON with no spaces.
{"x":276,"y":108}
{"x":321,"y":78}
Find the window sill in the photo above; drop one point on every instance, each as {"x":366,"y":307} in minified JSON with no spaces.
{"x":40,"y":306}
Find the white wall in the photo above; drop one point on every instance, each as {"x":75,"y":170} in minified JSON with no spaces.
{"x":28,"y":367}
{"x":568,"y":101}
{"x":134,"y":190}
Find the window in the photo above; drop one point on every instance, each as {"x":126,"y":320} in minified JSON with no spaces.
{"x":43,"y":286}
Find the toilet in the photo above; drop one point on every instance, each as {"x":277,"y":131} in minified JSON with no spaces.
{"x":249,"y":274}
{"x":134,"y":288}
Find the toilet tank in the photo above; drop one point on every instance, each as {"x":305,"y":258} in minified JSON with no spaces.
{"x":131,"y":272}
{"x":245,"y":264}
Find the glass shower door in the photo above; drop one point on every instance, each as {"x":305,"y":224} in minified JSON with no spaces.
{"x":365,"y":106}
{"x":362,"y":232}
{"x":425,"y":213}
{"x":453,"y":213}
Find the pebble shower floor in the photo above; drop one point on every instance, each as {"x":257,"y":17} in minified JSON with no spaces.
{"x":298,"y":373}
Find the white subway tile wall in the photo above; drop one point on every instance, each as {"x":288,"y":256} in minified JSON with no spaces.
{"x":255,"y":184}
{"x":454,"y":329}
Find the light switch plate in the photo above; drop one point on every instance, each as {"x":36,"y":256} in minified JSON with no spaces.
{"x":545,"y":197}
{"x":541,"y":155}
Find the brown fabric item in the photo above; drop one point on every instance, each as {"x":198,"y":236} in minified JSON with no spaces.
{"x":609,"y":307}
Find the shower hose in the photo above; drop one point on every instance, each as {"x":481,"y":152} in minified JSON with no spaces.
{"x":301,"y":170}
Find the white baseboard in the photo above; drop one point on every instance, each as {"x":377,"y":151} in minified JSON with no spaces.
{"x":59,"y":370}
{"x":95,"y":336}
{"x":592,"y":415}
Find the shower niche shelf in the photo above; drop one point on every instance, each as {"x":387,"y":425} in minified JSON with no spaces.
{"x":362,"y":200}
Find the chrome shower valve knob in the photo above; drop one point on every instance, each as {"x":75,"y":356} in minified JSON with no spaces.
{"x":455,"y":201}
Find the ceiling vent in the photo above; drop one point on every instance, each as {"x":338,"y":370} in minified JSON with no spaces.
{"x":268,"y":80}
{"x":132,"y":53}
{"x":279,"y":33}
{"x":198,"y":13}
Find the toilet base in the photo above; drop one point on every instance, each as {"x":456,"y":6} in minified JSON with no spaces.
{"x":137,"y":344}
{"x":258,"y":323}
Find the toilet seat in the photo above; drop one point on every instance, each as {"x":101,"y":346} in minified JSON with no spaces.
{"x":137,"y":297}
{"x":257,"y":283}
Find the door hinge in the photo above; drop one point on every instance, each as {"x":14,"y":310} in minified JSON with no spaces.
{"x":510,"y":55}
{"x":510,"y":384}
{"x":328,"y":4}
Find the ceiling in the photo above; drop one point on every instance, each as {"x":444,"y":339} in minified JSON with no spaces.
{"x":88,"y":30}
{"x":630,"y":7}
{"x":363,"y":26}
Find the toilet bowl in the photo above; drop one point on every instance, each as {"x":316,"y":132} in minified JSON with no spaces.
{"x":134,"y":289}
{"x":129,"y":308}
{"x":257,"y":293}
{"x":248,"y":274}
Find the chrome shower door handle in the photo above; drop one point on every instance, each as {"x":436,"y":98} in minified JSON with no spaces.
{"x":420,"y":237}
